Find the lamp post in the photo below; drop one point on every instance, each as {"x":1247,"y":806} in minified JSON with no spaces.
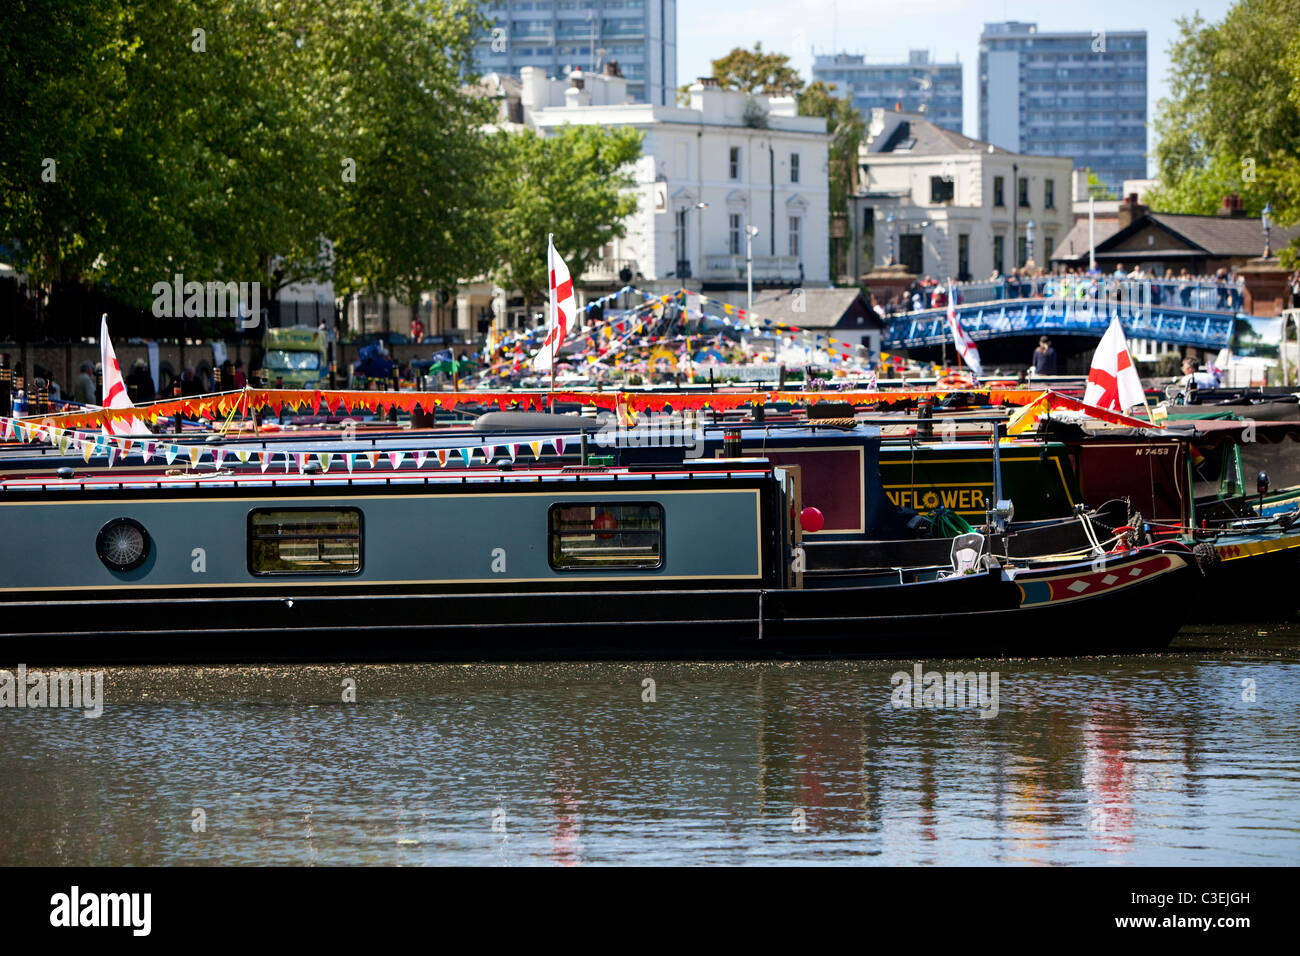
{"x":890,"y":221}
{"x":1268,"y":246}
{"x":1015,"y":201}
{"x":750,"y":233}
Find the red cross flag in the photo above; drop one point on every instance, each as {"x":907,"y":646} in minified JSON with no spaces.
{"x":115,"y":395}
{"x":965,"y":344}
{"x":561,"y":306}
{"x":1113,"y":381}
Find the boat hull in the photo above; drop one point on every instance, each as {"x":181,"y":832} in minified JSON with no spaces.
{"x":1075,"y":609}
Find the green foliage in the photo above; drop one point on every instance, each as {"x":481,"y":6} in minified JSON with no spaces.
{"x":1231,"y":123}
{"x":574,"y":183}
{"x":753,"y":71}
{"x":210,"y":154}
{"x":415,"y":217}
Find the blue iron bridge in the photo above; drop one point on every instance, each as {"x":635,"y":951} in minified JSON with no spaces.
{"x":1172,"y":323}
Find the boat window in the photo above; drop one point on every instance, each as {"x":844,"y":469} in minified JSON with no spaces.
{"x":304,"y":541}
{"x":598,"y":535}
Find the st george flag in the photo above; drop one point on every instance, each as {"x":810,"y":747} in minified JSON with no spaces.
{"x":965,"y":344}
{"x":1113,"y":381}
{"x":115,"y":395}
{"x":562,"y":309}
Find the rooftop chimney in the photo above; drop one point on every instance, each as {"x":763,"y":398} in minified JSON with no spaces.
{"x":1231,"y":208}
{"x":1130,"y":210}
{"x":708,"y":82}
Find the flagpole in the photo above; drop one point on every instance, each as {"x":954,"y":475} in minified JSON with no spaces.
{"x":551,"y":306}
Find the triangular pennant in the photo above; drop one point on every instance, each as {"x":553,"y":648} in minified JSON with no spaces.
{"x":536,"y":446}
{"x":348,"y":459}
{"x":420,"y":457}
{"x":395,"y":459}
{"x":267,"y":456}
{"x":326,"y":458}
{"x":86,"y":449}
{"x":559,"y":445}
{"x":172,"y":452}
{"x":242,"y":455}
{"x":442,"y":457}
{"x":372,"y":458}
{"x":112,"y":456}
{"x":302,"y":461}
{"x":514,"y":451}
{"x":218,"y":456}
{"x":195,"y":454}
{"x":468,"y":455}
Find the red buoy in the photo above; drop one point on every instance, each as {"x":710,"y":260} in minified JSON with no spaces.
{"x":811,"y":520}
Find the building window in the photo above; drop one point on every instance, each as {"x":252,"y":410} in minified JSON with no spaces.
{"x":1022,"y":192}
{"x":1022,"y":252}
{"x":998,"y":198}
{"x":998,"y":249}
{"x":941,"y":190}
{"x":794,"y":167}
{"x":911,"y":253}
{"x":734,"y":228}
{"x":597,"y":536}
{"x":681,"y":234}
{"x":794,"y":236}
{"x":963,"y":257}
{"x":1049,"y":193}
{"x":1049,"y":246}
{"x":733,"y":163}
{"x":304,"y":541}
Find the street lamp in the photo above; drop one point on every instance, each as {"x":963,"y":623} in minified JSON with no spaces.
{"x":890,"y":220}
{"x":750,"y":233}
{"x":1268,"y":247}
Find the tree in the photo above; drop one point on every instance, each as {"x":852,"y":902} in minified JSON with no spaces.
{"x":575,"y":183}
{"x":1232,"y":120}
{"x":416,"y":216}
{"x":214,"y":138}
{"x":753,"y":71}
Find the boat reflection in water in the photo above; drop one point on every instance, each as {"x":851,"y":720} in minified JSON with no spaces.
{"x":1155,"y":759}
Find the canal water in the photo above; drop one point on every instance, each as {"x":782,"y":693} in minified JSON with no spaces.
{"x":1186,"y":757}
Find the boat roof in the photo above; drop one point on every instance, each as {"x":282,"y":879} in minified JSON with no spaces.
{"x":105,"y":481}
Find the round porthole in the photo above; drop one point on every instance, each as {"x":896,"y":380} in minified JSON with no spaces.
{"x":122,"y":544}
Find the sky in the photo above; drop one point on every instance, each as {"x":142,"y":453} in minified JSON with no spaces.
{"x":884,"y":30}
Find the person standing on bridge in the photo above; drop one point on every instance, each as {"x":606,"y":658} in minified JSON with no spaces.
{"x":1044,"y":360}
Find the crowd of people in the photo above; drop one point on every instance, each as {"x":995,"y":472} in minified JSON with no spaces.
{"x":87,"y":383}
{"x":1222,"y":290}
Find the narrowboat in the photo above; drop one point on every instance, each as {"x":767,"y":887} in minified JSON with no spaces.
{"x":511,"y":561}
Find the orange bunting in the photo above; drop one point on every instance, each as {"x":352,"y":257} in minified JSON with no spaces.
{"x":380,"y":402}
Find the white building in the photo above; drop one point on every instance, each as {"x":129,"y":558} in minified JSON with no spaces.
{"x":707,"y":173}
{"x":961,"y":208}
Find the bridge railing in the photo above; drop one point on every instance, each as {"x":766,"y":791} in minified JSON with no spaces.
{"x":1044,"y":316}
{"x":1206,"y":295}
